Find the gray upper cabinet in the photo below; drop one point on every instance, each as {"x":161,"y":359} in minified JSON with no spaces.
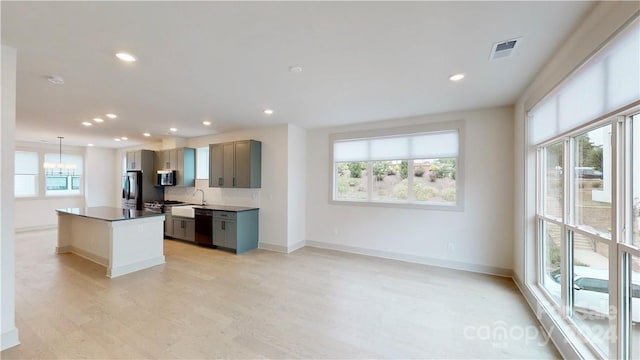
{"x":134,"y":160}
{"x":235,"y":164}
{"x":141,"y":160}
{"x":182,"y":160}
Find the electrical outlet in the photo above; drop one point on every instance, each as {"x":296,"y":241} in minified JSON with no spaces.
{"x":451,"y":248}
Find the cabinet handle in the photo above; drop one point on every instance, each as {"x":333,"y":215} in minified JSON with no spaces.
{"x":220,"y":181}
{"x":224,"y":225}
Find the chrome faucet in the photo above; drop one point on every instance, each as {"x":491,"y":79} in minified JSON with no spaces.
{"x":195,"y":192}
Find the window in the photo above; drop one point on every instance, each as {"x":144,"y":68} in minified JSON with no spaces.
{"x":65,"y":181}
{"x":26,"y":173}
{"x":420,"y":165}
{"x":587,"y":136}
{"x":31,"y":179}
{"x":202,"y":163}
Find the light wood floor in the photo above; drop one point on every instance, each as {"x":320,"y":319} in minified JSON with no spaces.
{"x":313,"y":303}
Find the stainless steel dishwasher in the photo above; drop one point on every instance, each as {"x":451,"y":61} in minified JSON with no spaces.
{"x":204,"y":227}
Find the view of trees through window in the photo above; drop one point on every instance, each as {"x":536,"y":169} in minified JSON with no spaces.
{"x":421,"y":180}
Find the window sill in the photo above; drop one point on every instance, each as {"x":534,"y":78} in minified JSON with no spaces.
{"x":50,"y":197}
{"x":399,"y":205}
{"x":562,"y":331}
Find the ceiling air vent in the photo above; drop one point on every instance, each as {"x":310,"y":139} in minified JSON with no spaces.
{"x":504,"y":49}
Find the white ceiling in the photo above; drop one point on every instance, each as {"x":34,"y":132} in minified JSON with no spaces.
{"x":227,"y":61}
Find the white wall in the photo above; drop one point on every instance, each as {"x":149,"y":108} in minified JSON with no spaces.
{"x":297,"y":187}
{"x":100,"y":165}
{"x":272,"y":198}
{"x":9,"y":332}
{"x":601,"y":23}
{"x":479,"y":238}
{"x":99,"y":173}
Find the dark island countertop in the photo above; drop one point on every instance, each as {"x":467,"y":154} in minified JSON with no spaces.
{"x":108,"y":213}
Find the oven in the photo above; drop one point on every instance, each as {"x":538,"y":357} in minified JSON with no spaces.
{"x":161,"y":207}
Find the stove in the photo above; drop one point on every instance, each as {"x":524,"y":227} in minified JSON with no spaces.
{"x":160,"y":206}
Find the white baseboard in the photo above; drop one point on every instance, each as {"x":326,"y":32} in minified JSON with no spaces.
{"x":36,"y":228}
{"x":129,"y":268}
{"x":82,"y":253}
{"x":282,"y":249}
{"x":296,"y":246}
{"x":10,"y":338}
{"x":483,"y":269}
{"x":273,"y":247}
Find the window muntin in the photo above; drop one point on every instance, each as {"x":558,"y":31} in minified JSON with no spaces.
{"x":416,"y":167}
{"x":635,"y":181}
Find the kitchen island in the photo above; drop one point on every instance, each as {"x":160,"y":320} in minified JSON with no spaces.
{"x":122,"y":240}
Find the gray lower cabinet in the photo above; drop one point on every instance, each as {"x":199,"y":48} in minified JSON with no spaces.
{"x":184,"y":228}
{"x":237,"y":231}
{"x":168,"y":222}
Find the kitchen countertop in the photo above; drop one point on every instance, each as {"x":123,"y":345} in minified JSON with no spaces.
{"x":108,"y":213}
{"x":224,"y":208}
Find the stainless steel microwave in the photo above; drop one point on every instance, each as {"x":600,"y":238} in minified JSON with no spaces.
{"x":166,"y":177}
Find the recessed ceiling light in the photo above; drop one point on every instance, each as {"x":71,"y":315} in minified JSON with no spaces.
{"x":55,"y":79}
{"x":98,"y":120}
{"x":89,"y":144}
{"x":126,"y":57}
{"x":268,"y":112}
{"x":206,"y":123}
{"x":86,"y":123}
{"x":116,"y":139}
{"x":173,"y":129}
{"x":146,"y":134}
{"x":295,"y":69}
{"x":111,"y":116}
{"x":456,"y":77}
{"x":124,"y":138}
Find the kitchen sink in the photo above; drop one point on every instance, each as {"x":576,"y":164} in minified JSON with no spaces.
{"x":184,"y":211}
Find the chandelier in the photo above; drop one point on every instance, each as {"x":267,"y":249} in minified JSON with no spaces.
{"x":59,"y":168}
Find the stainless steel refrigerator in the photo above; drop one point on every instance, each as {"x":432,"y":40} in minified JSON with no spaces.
{"x":136,"y":190}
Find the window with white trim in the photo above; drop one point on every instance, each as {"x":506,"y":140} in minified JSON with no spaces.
{"x":414,"y":166}
{"x":33,"y":179}
{"x":202,"y":163}
{"x":26,"y":173}
{"x":588,"y":260}
{"x":66,"y":180}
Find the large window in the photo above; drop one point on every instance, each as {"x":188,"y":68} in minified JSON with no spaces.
{"x":417,"y":166}
{"x":587,"y":137}
{"x":33,"y":180}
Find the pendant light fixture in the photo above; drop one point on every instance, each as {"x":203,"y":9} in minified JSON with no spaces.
{"x":59,"y":168}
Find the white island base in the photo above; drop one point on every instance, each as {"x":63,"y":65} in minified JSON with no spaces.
{"x":122,"y":240}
